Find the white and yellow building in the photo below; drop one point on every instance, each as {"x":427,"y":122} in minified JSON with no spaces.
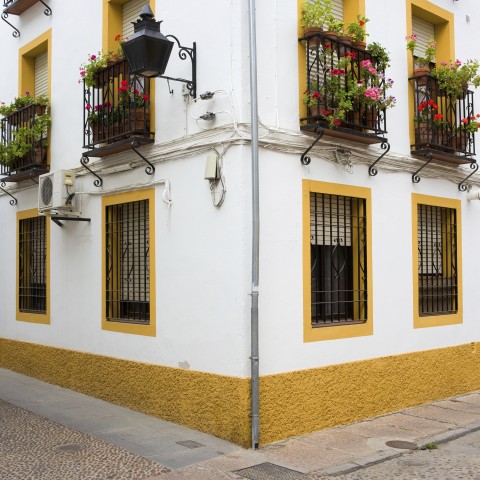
{"x":147,"y":304}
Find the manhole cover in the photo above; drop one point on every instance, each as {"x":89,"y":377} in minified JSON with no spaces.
{"x":401,"y":444}
{"x":70,"y":447}
{"x":190,"y":444}
{"x":269,"y":471}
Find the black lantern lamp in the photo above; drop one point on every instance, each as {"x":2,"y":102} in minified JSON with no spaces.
{"x":147,"y":51}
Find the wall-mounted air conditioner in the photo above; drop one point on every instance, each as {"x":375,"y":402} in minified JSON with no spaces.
{"x":56,"y":193}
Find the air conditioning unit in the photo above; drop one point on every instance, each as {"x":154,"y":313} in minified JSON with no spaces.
{"x":56,"y":193}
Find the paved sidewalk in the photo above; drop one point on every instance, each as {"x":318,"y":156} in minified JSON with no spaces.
{"x":56,"y":431}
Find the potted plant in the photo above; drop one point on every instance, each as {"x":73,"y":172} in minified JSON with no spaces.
{"x":131,"y":106}
{"x":357,"y":31}
{"x":455,"y":78}
{"x":315,"y":15}
{"x":334,"y":27}
{"x":421,"y":64}
{"x":380,"y":55}
{"x":467,"y":127}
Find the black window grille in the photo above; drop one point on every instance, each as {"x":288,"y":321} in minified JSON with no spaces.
{"x":128,"y":262}
{"x":437,"y":260}
{"x":32,"y":271}
{"x":338,"y":247}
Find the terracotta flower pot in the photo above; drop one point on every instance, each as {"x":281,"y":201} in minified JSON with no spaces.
{"x":421,"y":72}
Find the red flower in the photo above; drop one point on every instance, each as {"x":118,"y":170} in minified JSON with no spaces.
{"x":315,"y":95}
{"x":337,"y":122}
{"x":145,"y":97}
{"x":118,"y":37}
{"x":136,"y":92}
{"x":361,"y":23}
{"x":123,"y":83}
{"x":438,"y":116}
{"x":326,"y":112}
{"x":123,"y":88}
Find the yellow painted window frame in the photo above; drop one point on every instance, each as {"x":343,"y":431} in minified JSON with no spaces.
{"x":444,"y":37}
{"x":112,"y":26}
{"x":351,"y":8}
{"x":435,"y":320}
{"x":148,"y":194}
{"x":41,"y":318}
{"x":314,"y":334}
{"x":26,"y":63}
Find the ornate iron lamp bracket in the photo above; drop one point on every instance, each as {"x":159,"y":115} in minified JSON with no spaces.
{"x":183,"y":53}
{"x":463,"y":186}
{"x":13,"y":201}
{"x":84,"y":161}
{"x":305,"y":159}
{"x":149,"y":169}
{"x":415,"y":177}
{"x":372,"y":171}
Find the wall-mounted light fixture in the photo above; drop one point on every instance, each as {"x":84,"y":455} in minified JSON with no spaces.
{"x":147,"y":51}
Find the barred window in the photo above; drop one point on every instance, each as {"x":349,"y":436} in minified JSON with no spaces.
{"x":127,"y":254}
{"x":437,"y":260}
{"x":338,"y":259}
{"x":32,"y":265}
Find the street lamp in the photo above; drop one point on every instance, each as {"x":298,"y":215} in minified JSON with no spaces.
{"x":147,"y":51}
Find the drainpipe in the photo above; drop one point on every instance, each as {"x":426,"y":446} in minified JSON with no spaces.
{"x":254,"y":356}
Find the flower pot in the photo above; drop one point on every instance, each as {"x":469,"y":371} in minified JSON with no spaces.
{"x":360,"y":45}
{"x":311,"y":31}
{"x":421,"y":72}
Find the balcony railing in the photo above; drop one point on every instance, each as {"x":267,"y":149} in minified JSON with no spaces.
{"x":324,"y":54}
{"x":441,"y":122}
{"x":21,"y":124}
{"x":116,"y":111}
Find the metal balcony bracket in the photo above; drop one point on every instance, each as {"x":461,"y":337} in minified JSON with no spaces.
{"x":16,"y":32}
{"x":84,"y":161}
{"x":463,"y":186}
{"x":48,"y":10}
{"x":415,"y":177}
{"x":305,"y":159}
{"x":13,"y":201}
{"x":149,"y":169}
{"x":57,"y":219}
{"x":183,"y":53}
{"x":372,"y":171}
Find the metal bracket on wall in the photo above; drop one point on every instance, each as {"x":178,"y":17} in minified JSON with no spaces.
{"x":57,"y":219}
{"x":183,"y":52}
{"x":149,"y":169}
{"x":305,"y":159}
{"x":372,"y":171}
{"x":415,"y":177}
{"x":15,"y":8}
{"x":14,"y":200}
{"x":463,"y":186}
{"x":84,"y":161}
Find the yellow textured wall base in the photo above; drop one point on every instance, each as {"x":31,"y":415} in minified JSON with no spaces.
{"x":290,"y":404}
{"x":214,"y":404}
{"x":305,"y":401}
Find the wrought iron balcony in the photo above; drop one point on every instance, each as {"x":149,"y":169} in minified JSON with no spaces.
{"x":441,"y":121}
{"x":24,"y":144}
{"x":337,"y":72}
{"x":116,"y":111}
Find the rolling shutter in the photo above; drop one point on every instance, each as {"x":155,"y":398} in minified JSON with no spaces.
{"x":41,"y":74}
{"x":337,"y":10}
{"x":424,"y":31}
{"x":131,"y":12}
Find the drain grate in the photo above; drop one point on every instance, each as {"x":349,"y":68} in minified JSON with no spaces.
{"x":270,"y":471}
{"x":401,"y":444}
{"x":70,"y":447}
{"x":190,"y":444}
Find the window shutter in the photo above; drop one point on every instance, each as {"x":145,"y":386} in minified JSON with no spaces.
{"x":131,"y":12}
{"x":337,"y":10}
{"x":424,"y":31}
{"x":330,"y":220}
{"x":41,"y":74}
